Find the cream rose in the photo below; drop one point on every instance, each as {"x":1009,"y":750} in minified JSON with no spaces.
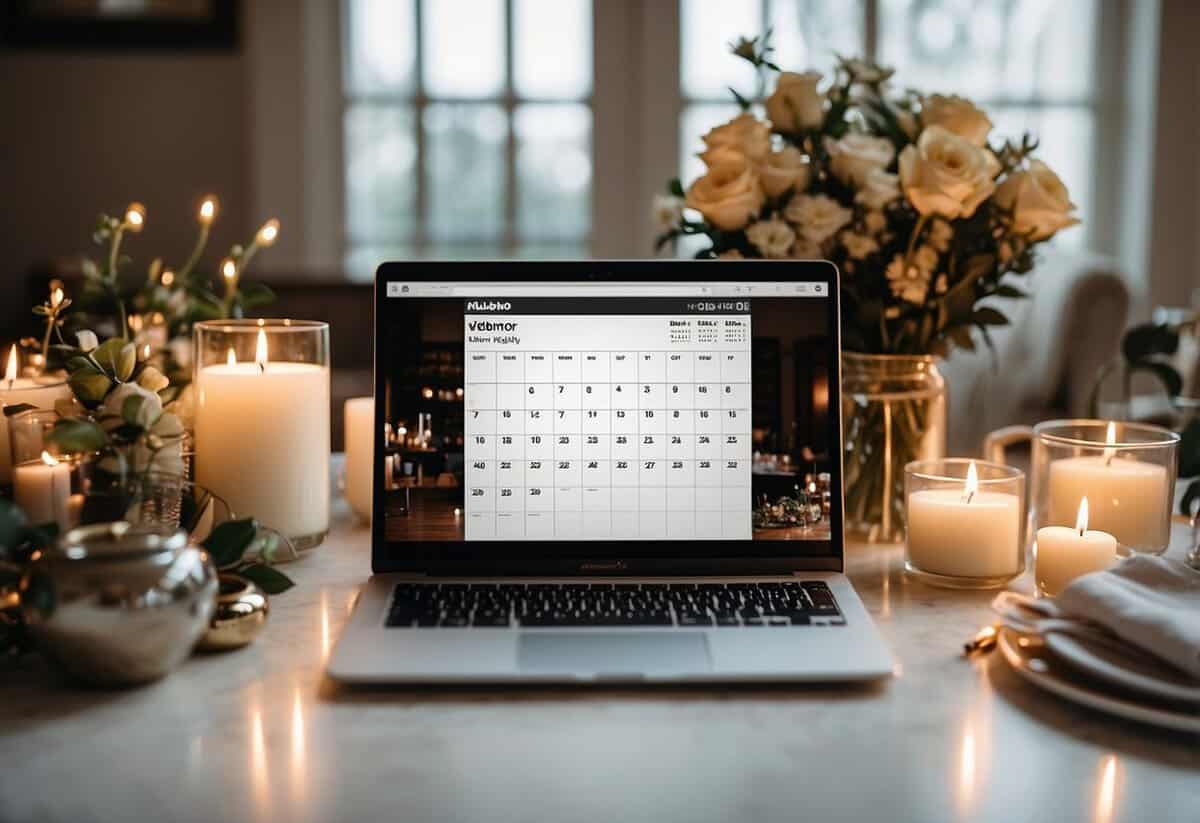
{"x":956,"y":114}
{"x":947,"y":175}
{"x":817,"y":217}
{"x":796,"y":105}
{"x":785,"y":169}
{"x":744,"y":134}
{"x":773,"y":238}
{"x":1039,"y":201}
{"x":878,"y":189}
{"x":729,"y":195}
{"x":666,"y":211}
{"x":855,"y":156}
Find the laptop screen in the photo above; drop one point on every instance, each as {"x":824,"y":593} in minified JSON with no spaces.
{"x":606,"y":419}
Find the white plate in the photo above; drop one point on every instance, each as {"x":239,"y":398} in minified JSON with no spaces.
{"x":1033,"y":662}
{"x":1144,"y":675}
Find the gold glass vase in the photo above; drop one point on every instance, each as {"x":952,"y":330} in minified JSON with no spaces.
{"x":893,"y":412}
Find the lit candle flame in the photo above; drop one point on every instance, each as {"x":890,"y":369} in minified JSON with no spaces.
{"x":168,"y":277}
{"x":267,"y":234}
{"x":208,"y":209}
{"x":56,"y":297}
{"x":231,"y":358}
{"x":228,"y":268}
{"x":971,"y":488}
{"x":1081,"y":522}
{"x":49,"y":459}
{"x":146,"y":352}
{"x":1110,"y":437}
{"x":260,"y":350}
{"x":10,"y":371}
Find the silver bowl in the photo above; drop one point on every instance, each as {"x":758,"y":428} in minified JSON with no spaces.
{"x":117,"y":606}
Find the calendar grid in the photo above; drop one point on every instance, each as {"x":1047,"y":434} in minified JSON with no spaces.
{"x":610,"y":443}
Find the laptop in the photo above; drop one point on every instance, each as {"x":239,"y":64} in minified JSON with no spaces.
{"x":607,"y":472}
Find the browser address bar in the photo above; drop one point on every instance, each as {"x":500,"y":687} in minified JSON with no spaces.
{"x":568,"y":290}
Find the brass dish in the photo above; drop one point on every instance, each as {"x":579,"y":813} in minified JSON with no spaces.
{"x":242,"y":609}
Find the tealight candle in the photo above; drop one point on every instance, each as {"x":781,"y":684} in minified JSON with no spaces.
{"x":1064,"y":553}
{"x":15,"y":391}
{"x":958,"y":533}
{"x":262,"y":426}
{"x":1129,"y":498}
{"x":42,"y":489}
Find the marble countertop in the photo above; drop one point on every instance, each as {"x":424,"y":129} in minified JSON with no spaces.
{"x":260,"y":734}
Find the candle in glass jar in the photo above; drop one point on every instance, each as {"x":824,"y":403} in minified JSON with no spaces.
{"x":1064,"y":553}
{"x":16,"y":390}
{"x":360,"y":450}
{"x":964,"y":532}
{"x":1128,"y":498}
{"x":42,"y":489}
{"x":262,"y":440}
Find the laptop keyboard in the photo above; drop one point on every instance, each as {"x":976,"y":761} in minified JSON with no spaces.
{"x":566,"y":605}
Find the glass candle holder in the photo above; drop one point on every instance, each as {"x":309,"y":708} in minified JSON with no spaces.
{"x":1125,"y":470}
{"x":965,"y":522}
{"x":262,"y":422}
{"x":41,"y":478}
{"x":39,"y":392}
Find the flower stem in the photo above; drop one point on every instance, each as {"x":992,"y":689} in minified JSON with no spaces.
{"x":912,"y":241}
{"x":194,"y":258}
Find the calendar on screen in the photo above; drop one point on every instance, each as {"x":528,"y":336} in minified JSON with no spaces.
{"x":607,"y":419}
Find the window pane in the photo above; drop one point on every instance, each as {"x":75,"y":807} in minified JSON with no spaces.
{"x":552,"y":51}
{"x":463,"y":47}
{"x":381,"y":156}
{"x":693,"y":123}
{"x":707,"y":27}
{"x":1068,"y":140}
{"x":380,"y":46}
{"x":554,"y":170}
{"x":808,"y":34}
{"x":362,"y":261}
{"x":1035,"y":49}
{"x":464,"y":170}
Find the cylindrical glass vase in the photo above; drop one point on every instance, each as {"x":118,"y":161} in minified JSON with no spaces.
{"x":965,"y":522}
{"x":893,"y":412}
{"x":262,"y":422}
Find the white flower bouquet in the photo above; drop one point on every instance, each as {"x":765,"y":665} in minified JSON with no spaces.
{"x":923,"y":215}
{"x":922,"y":212}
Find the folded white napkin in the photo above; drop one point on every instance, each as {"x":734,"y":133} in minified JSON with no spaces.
{"x":1152,"y":603}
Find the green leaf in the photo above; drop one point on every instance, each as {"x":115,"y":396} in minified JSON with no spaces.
{"x":12,"y":526}
{"x":131,"y":408}
{"x":229,"y":541}
{"x":1012,"y":292}
{"x":1189,"y":449}
{"x":1190,"y":496}
{"x":268,"y":578}
{"x":1167,"y":375}
{"x":256,"y":294}
{"x":108,"y":354}
{"x":77,"y":436}
{"x":675,"y":187}
{"x":17,"y":408}
{"x":961,"y":335}
{"x":987,"y":316}
{"x":1149,"y":339}
{"x":741,"y":101}
{"x":89,"y":385}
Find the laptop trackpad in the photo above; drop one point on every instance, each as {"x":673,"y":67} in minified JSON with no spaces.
{"x":615,"y":654}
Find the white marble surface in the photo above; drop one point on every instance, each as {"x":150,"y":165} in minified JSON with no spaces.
{"x":259,"y":734}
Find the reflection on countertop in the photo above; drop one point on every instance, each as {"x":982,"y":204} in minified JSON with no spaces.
{"x":259,"y":734}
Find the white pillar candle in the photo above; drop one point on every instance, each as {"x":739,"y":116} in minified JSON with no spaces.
{"x":1064,"y":553}
{"x":1128,"y":498}
{"x":964,"y":532}
{"x":42,"y":489}
{"x":16,"y":391}
{"x":262,"y":440}
{"x":359,"y":416}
